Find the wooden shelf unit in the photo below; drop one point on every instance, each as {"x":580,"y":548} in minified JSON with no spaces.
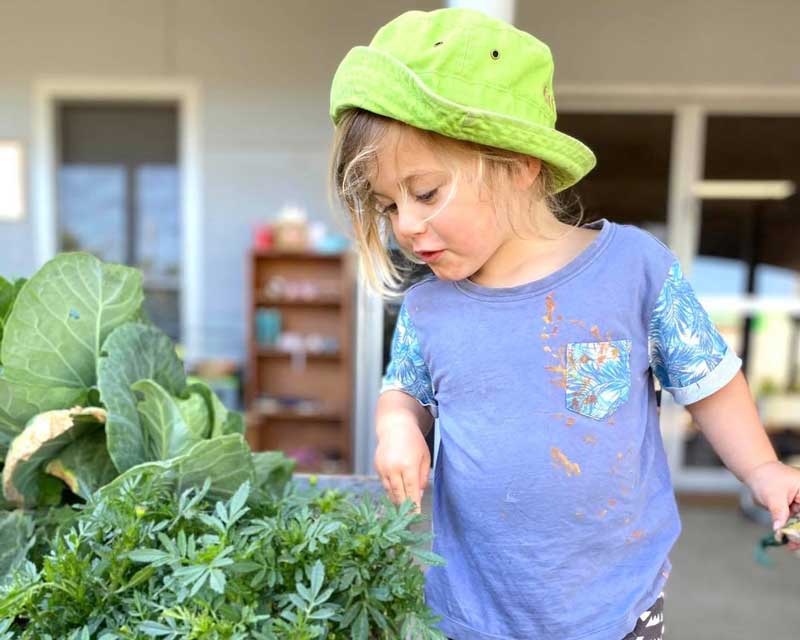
{"x":323,"y":377}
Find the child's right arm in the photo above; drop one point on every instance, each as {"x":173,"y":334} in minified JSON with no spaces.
{"x":402,"y":458}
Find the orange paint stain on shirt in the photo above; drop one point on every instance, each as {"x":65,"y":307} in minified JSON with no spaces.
{"x":612,"y":502}
{"x":570,"y":422}
{"x":596,"y":331}
{"x":550,"y":306}
{"x":547,"y":349}
{"x":590,"y":439}
{"x":560,"y":369}
{"x":635,"y":536}
{"x":572,"y":468}
{"x":544,"y":336}
{"x":602,"y":513}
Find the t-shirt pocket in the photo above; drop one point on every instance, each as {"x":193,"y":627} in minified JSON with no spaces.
{"x":598,"y":377}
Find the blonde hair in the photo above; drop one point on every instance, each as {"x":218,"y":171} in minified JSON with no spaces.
{"x":356,"y":143}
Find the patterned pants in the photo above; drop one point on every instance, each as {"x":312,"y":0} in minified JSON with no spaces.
{"x":650,"y":625}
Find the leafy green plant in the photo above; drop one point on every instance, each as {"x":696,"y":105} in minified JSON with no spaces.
{"x":142,"y":561}
{"x":89,"y":390}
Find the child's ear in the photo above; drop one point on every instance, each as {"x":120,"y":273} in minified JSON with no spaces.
{"x":528,"y":170}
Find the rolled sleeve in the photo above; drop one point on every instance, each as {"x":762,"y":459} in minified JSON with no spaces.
{"x":721,"y":375}
{"x":407,"y":371}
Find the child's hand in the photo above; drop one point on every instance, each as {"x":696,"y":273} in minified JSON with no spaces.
{"x":776,"y":486}
{"x":403,"y":461}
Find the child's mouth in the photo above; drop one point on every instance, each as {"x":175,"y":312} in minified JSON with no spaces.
{"x":430,"y":256}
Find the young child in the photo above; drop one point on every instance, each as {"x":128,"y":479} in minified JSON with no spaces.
{"x":535,"y":344}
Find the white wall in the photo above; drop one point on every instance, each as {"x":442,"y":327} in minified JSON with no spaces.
{"x":676,"y":42}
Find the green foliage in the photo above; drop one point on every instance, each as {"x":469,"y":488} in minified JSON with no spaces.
{"x":144,"y":562}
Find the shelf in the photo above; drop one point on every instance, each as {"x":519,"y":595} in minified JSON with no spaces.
{"x":309,"y":355}
{"x":313,"y":293}
{"x":297,"y":255}
{"x":289,"y":416}
{"x":289,"y":302}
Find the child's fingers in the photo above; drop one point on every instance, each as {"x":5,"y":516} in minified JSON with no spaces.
{"x":396,"y":487}
{"x":411,"y":485}
{"x":424,"y":473}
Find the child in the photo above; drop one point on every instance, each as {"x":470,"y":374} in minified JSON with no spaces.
{"x":534,"y":345}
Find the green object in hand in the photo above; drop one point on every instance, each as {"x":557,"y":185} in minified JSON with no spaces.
{"x":790,"y":532}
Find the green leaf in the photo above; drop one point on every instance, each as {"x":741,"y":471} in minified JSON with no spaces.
{"x":42,"y":440}
{"x":156,"y":557}
{"x":225,"y":461}
{"x":84,"y":465}
{"x":360,"y":630}
{"x":134,"y":352}
{"x":166,"y":433}
{"x":429,"y":558}
{"x":16,"y":538}
{"x":8,"y":294}
{"x":273,"y":470}
{"x":62,"y":316}
{"x":194,"y":410}
{"x":317,"y":577}
{"x":19,"y":403}
{"x":223,"y":422}
{"x":234,"y":423}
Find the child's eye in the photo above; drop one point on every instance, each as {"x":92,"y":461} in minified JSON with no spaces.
{"x":425,"y":197}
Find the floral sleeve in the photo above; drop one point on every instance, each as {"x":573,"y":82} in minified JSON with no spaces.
{"x":687,"y":354}
{"x":407,"y":370}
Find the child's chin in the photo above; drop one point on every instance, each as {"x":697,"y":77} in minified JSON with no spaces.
{"x":447,"y":272}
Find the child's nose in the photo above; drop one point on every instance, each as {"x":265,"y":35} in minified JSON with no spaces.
{"x":409,"y":221}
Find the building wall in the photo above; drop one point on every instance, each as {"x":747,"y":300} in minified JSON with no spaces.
{"x":265,"y":67}
{"x":720,"y":42}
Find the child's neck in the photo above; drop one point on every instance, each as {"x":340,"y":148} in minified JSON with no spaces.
{"x":520,"y":260}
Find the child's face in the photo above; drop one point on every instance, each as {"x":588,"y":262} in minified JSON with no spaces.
{"x":465,"y":233}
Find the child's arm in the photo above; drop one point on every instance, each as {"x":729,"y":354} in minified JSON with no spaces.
{"x":402,"y":458}
{"x":729,"y":420}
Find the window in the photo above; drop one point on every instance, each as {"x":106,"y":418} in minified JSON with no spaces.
{"x":119,"y":194}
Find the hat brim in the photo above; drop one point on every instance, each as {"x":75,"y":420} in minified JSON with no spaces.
{"x":374,"y":80}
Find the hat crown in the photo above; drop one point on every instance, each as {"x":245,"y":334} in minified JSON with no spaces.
{"x":474,"y":60}
{"x":465,"y":76}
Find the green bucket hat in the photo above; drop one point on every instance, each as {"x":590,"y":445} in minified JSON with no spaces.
{"x":465,"y":75}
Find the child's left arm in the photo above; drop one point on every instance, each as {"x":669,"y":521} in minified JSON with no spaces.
{"x":729,"y":420}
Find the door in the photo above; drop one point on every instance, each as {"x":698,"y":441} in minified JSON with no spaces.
{"x":118,"y":193}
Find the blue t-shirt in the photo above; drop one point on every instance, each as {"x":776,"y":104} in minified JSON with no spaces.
{"x":552,"y":501}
